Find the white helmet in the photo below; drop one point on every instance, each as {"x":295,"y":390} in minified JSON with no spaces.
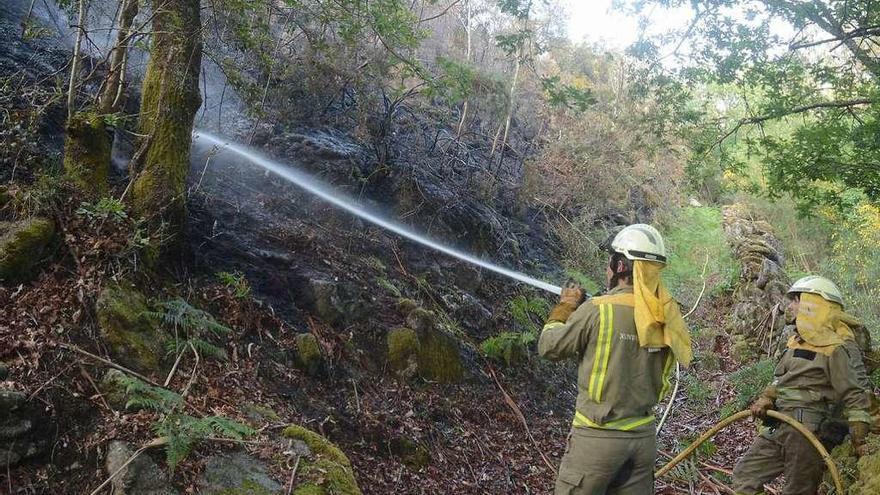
{"x":815,"y":284}
{"x":640,"y":242}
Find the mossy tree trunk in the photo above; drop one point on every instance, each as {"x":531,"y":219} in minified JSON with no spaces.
{"x":88,"y":140}
{"x":87,"y":152}
{"x":86,"y":144}
{"x":169,"y":101}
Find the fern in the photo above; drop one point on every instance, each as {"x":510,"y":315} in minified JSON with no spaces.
{"x":528,"y":312}
{"x":144,"y":396}
{"x":195,"y":325}
{"x":508,"y":347}
{"x":183,"y":432}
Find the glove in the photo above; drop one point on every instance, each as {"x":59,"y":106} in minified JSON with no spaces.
{"x":760,"y":407}
{"x":858,"y":433}
{"x":570,"y":298}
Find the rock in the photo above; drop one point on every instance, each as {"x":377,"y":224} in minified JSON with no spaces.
{"x":467,"y":277}
{"x":439,"y":359}
{"x":333,"y":302}
{"x":4,"y":372}
{"x":236,"y":474}
{"x":325,"y":300}
{"x":405,"y":306}
{"x":414,"y":456}
{"x":23,"y":244}
{"x":403,"y":350}
{"x":470,"y":312}
{"x":421,"y":320}
{"x":308,"y":354}
{"x":763,"y":281}
{"x":134,"y":339}
{"x":260,"y":414}
{"x":112,"y":388}
{"x":323,"y":468}
{"x":23,"y":432}
{"x":141,"y":477}
{"x":741,"y":350}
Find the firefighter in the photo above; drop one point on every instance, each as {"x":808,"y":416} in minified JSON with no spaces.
{"x":817,"y":373}
{"x":626,"y":343}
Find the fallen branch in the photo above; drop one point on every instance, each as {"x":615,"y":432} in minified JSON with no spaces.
{"x":518,"y":413}
{"x":123,"y":369}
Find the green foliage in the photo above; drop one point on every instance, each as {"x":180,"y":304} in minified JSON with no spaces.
{"x":236,"y":281}
{"x":697,"y":391}
{"x":806,"y":106}
{"x":585,"y":282}
{"x":566,"y":95}
{"x":183,"y":432}
{"x":695,"y":238}
{"x":527,"y":312}
{"x":141,"y":395}
{"x":192,"y":327}
{"x":749,"y":381}
{"x":389,"y":286}
{"x":456,"y":80}
{"x":508,"y":347}
{"x":43,"y":197}
{"x":104,"y":209}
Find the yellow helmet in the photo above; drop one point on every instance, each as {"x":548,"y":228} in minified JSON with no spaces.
{"x":821,"y":286}
{"x":640,"y":242}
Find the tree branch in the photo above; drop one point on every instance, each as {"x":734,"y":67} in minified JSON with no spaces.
{"x":855,"y":33}
{"x":794,"y":111}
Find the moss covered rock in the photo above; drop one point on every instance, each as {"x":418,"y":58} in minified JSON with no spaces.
{"x":323,"y":468}
{"x":87,"y":152}
{"x":133,"y":339}
{"x":308,"y":354}
{"x":236,"y":474}
{"x":438,"y":358}
{"x":414,"y":456}
{"x":113,"y":389}
{"x":405,"y":306}
{"x":23,"y":245}
{"x":421,"y":320}
{"x":403,"y":350}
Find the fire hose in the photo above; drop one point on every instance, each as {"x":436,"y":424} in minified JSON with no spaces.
{"x":832,"y":468}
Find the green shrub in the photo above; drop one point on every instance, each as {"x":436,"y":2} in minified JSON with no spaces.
{"x":587,"y":283}
{"x":692,"y":234}
{"x":749,"y":381}
{"x":696,"y":390}
{"x":190,"y":328}
{"x":104,"y":209}
{"x":180,"y":430}
{"x":509,"y":348}
{"x":236,"y":281}
{"x":527,"y":312}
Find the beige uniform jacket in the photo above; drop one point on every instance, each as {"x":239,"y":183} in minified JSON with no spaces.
{"x":809,"y":382}
{"x":619,"y":382}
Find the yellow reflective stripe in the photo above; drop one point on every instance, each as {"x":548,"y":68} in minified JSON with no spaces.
{"x":667,"y":374}
{"x":593,"y":383}
{"x":553,"y":324}
{"x":606,"y":353}
{"x":624,"y":424}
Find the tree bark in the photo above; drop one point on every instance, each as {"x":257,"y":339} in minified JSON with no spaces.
{"x":108,"y":100}
{"x":170,"y":99}
{"x":467,"y":55}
